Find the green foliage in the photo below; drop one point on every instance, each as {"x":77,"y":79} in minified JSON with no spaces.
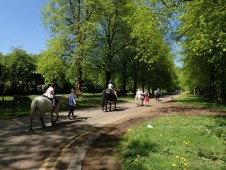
{"x":19,"y":72}
{"x":102,"y":40}
{"x":52,"y":68}
{"x":70,"y":22}
{"x":205,"y":47}
{"x":175,"y":142}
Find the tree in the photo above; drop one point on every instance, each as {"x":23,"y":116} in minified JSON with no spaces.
{"x":70,"y":22}
{"x":3,"y":75}
{"x":204,"y":47}
{"x":21,"y":68}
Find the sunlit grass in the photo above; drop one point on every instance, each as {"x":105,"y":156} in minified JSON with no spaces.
{"x":175,"y":143}
{"x":197,"y":101}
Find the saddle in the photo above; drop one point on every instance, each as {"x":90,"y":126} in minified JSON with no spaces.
{"x":110,"y":91}
{"x":54,"y":101}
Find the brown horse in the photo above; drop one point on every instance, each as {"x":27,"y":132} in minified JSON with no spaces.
{"x":157,"y":95}
{"x":108,"y":96}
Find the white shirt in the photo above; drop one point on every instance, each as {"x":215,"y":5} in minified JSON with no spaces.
{"x":140,"y":94}
{"x":49,"y":92}
{"x":110,"y":86}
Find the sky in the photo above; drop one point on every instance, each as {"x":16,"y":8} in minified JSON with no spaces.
{"x":21,"y":26}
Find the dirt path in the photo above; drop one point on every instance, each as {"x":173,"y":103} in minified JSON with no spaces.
{"x":100,"y":154}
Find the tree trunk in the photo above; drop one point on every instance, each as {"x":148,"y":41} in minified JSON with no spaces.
{"x":136,"y":67}
{"x":124,"y":76}
{"x":107,"y":77}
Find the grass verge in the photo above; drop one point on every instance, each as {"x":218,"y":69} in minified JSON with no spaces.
{"x":197,"y":101}
{"x":176,"y":142}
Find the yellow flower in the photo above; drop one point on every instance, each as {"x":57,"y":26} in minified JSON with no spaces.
{"x":184,"y":159}
{"x":177,"y":157}
{"x":129,"y":130}
{"x":174,"y":165}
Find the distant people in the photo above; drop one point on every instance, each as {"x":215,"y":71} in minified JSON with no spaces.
{"x":157,"y":94}
{"x":72,"y":104}
{"x":140,"y":93}
{"x":146,"y":98}
{"x":139,"y":96}
{"x":110,"y":86}
{"x":50,"y":94}
{"x":158,"y":91}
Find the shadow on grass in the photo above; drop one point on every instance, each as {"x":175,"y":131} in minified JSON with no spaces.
{"x":197,"y":101}
{"x":11,"y":109}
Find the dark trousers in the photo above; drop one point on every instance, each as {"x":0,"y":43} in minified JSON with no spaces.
{"x":71,"y":111}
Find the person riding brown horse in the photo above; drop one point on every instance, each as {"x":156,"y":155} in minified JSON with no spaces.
{"x":108,"y":95}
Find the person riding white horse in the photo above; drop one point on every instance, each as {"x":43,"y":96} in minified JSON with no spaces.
{"x":50,"y":94}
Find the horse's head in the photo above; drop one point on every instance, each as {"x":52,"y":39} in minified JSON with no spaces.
{"x":63,"y":99}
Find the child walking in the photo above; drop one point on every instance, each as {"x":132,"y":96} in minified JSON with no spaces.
{"x":146,"y":98}
{"x":72,"y":104}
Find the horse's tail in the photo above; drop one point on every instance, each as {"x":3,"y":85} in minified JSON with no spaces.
{"x":32,"y":112}
{"x":103,"y":99}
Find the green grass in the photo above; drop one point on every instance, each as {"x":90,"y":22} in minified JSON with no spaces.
{"x":12,"y":109}
{"x":197,"y":101}
{"x":175,"y":142}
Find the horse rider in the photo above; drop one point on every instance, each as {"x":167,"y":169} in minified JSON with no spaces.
{"x":110,"y":86}
{"x":158,"y":91}
{"x":140,"y":95}
{"x":50,"y":94}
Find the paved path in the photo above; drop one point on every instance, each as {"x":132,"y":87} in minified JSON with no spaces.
{"x":62,"y":146}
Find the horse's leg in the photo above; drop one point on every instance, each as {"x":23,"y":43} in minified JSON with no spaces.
{"x":142,"y":101}
{"x":52,"y":118}
{"x":42,"y":121}
{"x":103,"y":103}
{"x":57,"y":114}
{"x":115,"y":104}
{"x":106,"y":106}
{"x":110,"y":106}
{"x":31,"y":120}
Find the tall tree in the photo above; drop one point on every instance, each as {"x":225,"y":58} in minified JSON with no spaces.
{"x":205,"y":47}
{"x":69,"y":21}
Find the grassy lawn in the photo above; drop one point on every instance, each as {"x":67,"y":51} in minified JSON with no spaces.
{"x":177,"y":142}
{"x":12,"y":109}
{"x":196,"y":101}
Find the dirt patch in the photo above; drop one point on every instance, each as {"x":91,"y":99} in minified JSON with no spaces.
{"x":100,"y":155}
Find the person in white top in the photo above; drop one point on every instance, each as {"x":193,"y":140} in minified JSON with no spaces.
{"x":50,"y":94}
{"x":140,"y":94}
{"x":110,"y":86}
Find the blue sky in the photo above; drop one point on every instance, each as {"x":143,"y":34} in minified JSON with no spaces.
{"x":21,"y":26}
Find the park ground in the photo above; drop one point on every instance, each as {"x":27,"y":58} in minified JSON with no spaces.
{"x":101,"y":154}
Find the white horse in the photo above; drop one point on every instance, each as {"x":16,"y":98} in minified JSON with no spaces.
{"x":43,"y":105}
{"x":139,"y":98}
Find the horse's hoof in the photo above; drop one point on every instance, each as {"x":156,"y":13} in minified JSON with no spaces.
{"x":30,"y":129}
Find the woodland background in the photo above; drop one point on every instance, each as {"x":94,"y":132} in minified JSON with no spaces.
{"x":134,"y":43}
